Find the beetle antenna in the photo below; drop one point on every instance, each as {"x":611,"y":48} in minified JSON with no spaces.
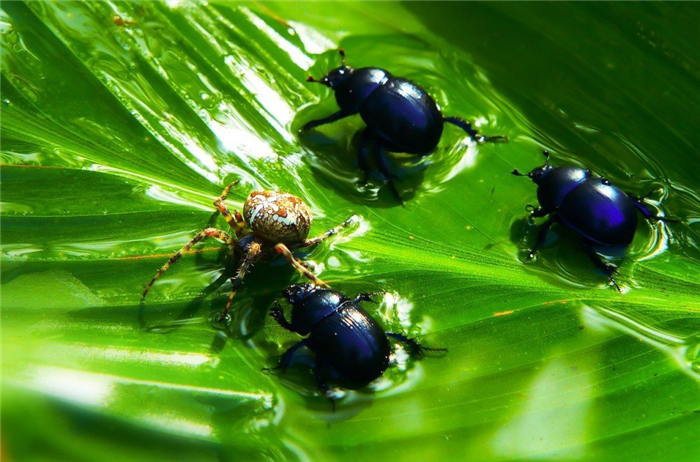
{"x":323,"y":81}
{"x":342,"y":55}
{"x":546,"y":162}
{"x":517,"y":173}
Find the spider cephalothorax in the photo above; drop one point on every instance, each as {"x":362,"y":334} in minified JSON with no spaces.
{"x":272,"y":222}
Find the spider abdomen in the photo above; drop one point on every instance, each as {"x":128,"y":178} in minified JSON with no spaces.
{"x":277,"y":216}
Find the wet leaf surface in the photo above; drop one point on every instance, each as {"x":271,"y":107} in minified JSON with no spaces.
{"x":121,"y":123}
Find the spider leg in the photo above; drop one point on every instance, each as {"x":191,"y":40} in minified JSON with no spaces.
{"x":325,"y":235}
{"x":235,"y":221}
{"x":209,"y":232}
{"x":301,"y":267}
{"x":303,"y":263}
{"x":250,"y":257}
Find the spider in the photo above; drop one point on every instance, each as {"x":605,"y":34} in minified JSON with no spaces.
{"x":275,"y":222}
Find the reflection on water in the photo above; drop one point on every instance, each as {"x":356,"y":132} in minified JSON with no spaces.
{"x":550,"y":422}
{"x":158,"y":193}
{"x":277,"y":110}
{"x":100,"y":391}
{"x":314,"y":42}
{"x":684,"y":351}
{"x":300,"y":57}
{"x":193,"y":95}
{"x":359,"y":227}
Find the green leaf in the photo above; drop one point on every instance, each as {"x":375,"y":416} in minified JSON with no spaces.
{"x":123,"y":121}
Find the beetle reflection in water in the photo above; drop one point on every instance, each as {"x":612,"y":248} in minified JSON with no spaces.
{"x":400,"y":116}
{"x":601,"y":213}
{"x":351,"y":348}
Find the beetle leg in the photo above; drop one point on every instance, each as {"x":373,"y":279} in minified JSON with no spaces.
{"x":537,"y":212}
{"x":286,"y":359}
{"x":382,"y":160}
{"x":278,"y":315}
{"x":326,"y":235}
{"x":464,"y":125}
{"x":607,"y":268}
{"x":383,"y":164}
{"x":413,"y":345}
{"x":637,"y":201}
{"x":363,"y":152}
{"x":284,"y":250}
{"x":541,"y":236}
{"x":473,"y":134}
{"x":236,"y":221}
{"x":367,"y":297}
{"x":322,"y":385}
{"x":641,"y":206}
{"x":326,"y":120}
{"x":209,"y":232}
{"x":237,"y":280}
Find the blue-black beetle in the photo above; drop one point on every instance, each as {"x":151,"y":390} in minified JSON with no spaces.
{"x":350,"y":347}
{"x":601,"y":213}
{"x":399,"y":114}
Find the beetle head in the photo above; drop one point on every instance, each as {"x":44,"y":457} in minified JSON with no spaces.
{"x":298,"y":292}
{"x":336,"y":76}
{"x":537,"y":174}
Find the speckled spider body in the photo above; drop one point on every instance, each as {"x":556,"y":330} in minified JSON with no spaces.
{"x":272,"y":222}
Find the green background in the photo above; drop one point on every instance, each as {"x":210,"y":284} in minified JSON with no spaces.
{"x":117,"y":135}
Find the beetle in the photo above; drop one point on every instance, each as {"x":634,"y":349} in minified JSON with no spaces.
{"x":272,"y":222}
{"x":601,"y":213}
{"x":400,"y":115}
{"x":350,"y":346}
